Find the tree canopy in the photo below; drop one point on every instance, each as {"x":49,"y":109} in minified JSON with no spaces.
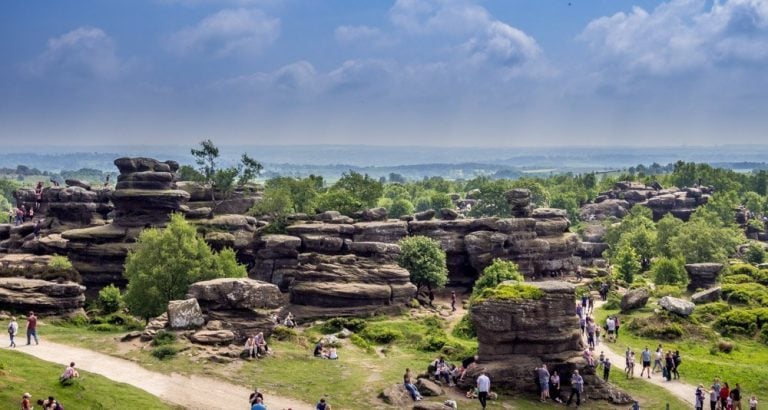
{"x":425,"y":261}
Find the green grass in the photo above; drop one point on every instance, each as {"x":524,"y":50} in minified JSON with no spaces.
{"x":701,"y":360}
{"x":21,"y":374}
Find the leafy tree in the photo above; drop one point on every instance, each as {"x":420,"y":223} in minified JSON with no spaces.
{"x":396,"y":191}
{"x":627,"y":262}
{"x":440,"y":200}
{"x":669,"y":271}
{"x":636,"y":229}
{"x":666,"y":229}
{"x":425,"y":260}
{"x":7,"y":188}
{"x":423,"y":203}
{"x":492,"y":200}
{"x":567,"y":201}
{"x":165,"y":262}
{"x":223,"y":180}
{"x":339,"y":200}
{"x":499,"y":271}
{"x":366,"y":189}
{"x":705,"y":239}
{"x":723,"y":206}
{"x":188,"y":173}
{"x":110,"y":299}
{"x":755,"y":254}
{"x":754,"y":202}
{"x":400,"y":207}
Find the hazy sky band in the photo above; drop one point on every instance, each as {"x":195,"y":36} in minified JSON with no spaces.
{"x":425,"y":72}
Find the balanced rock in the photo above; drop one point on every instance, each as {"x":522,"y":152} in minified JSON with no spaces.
{"x":677,"y":306}
{"x":634,"y":299}
{"x":424,"y":215}
{"x":185,"y":314}
{"x":236,"y":293}
{"x":707,"y":295}
{"x":375,"y":214}
{"x":78,"y":183}
{"x":702,"y":275}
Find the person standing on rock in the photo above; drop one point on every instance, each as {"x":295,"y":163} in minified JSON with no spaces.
{"x":606,"y":369}
{"x":32,"y":328}
{"x":13,"y":330}
{"x":483,"y":388}
{"x":646,"y":356}
{"x":577,"y":388}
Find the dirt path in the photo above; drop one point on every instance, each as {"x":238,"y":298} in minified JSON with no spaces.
{"x":193,"y":392}
{"x":681,"y":390}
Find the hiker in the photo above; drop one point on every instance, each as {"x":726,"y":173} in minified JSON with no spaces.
{"x":699,"y":398}
{"x":591,"y":333}
{"x":736,"y":396}
{"x":543,"y":374}
{"x":577,"y":388}
{"x":591,"y":303}
{"x":409,"y":386}
{"x":255,"y":395}
{"x":714,"y":396}
{"x":36,"y":230}
{"x":618,"y":325}
{"x":289,"y":321}
{"x":259,"y":404}
{"x":657,"y":359}
{"x":483,"y":388}
{"x":725,"y":394}
{"x":610,"y":326}
{"x":670,"y":365}
{"x":69,"y":373}
{"x":554,"y":387}
{"x":11,"y":215}
{"x":26,"y":403}
{"x":646,"y":357}
{"x":32,"y":328}
{"x":322,"y":405}
{"x":601,"y":359}
{"x":583,"y":325}
{"x":606,"y":369}
{"x":250,"y":348}
{"x":677,"y":360}
{"x":453,"y":301}
{"x":630,"y":368}
{"x":13,"y":330}
{"x":19,"y":216}
{"x":38,"y":194}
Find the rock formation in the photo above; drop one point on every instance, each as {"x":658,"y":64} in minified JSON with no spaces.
{"x":203,"y":200}
{"x":707,"y":296}
{"x":677,"y":306}
{"x":702,"y":275}
{"x":41,"y":296}
{"x":616,"y":202}
{"x":635,"y":299}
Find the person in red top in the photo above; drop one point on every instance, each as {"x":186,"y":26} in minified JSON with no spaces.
{"x":32,"y":328}
{"x":725,"y":391}
{"x":25,"y":403}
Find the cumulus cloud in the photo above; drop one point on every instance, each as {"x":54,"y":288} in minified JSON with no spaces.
{"x":367,"y":35}
{"x":439,"y":16}
{"x":83,"y":53}
{"x":299,"y":76}
{"x":680,"y":35}
{"x":228,"y":32}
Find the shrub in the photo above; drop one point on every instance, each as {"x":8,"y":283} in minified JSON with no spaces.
{"x":739,"y":278}
{"x":746,"y":293}
{"x":163,"y":338}
{"x":755,"y":253}
{"x":764,"y":335}
{"x":336,"y":324}
{"x":281,"y":332}
{"x":465,"y":329}
{"x":110,"y":299}
{"x":361,"y":343}
{"x":433,"y":322}
{"x":381,"y":335}
{"x":505,"y":291}
{"x":457,"y":351}
{"x":737,"y":321}
{"x":658,"y":327}
{"x":667,"y":290}
{"x":612,"y":302}
{"x":499,"y":271}
{"x":104,"y":327}
{"x":710,"y":311}
{"x":743,"y":269}
{"x":400,"y":207}
{"x":164,"y":352}
{"x":59,"y":262}
{"x":669,"y":271}
{"x":433,"y":343}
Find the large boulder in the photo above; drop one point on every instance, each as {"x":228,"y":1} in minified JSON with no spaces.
{"x":707,"y":296}
{"x":185,"y":314}
{"x":21,"y":294}
{"x":396,"y":396}
{"x":677,"y":306}
{"x":236,"y":293}
{"x":702,"y":275}
{"x":213,"y":337}
{"x":635,"y":299}
{"x":428,"y":387}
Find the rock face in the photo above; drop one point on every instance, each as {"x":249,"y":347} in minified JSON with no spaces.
{"x":635,"y":299}
{"x":41,"y":296}
{"x":707,"y":296}
{"x":702,"y":275}
{"x":615,"y":203}
{"x":516,"y":336}
{"x":145,"y":195}
{"x":677,"y":306}
{"x":185,"y":314}
{"x":201,"y":197}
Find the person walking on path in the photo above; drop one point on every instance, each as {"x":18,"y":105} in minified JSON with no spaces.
{"x":483,"y":388}
{"x":13,"y":330}
{"x":453,"y":301}
{"x":725,"y":392}
{"x":736,"y":396}
{"x":699,"y":398}
{"x":606,"y":369}
{"x":32,"y":328}
{"x":657,"y":359}
{"x":677,"y":360}
{"x":670,"y":365}
{"x":577,"y":388}
{"x":646,"y":357}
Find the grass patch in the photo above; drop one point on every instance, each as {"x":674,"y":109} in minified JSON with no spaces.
{"x":507,"y":291}
{"x":21,"y":373}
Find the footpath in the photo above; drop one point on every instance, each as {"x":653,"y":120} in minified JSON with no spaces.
{"x":195,"y":392}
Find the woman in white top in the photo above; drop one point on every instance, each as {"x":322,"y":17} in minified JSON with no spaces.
{"x":13,"y":330}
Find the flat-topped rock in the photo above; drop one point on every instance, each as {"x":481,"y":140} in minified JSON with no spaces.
{"x":43,"y":296}
{"x":140,"y":164}
{"x":707,"y":295}
{"x":236,"y":293}
{"x":677,"y":306}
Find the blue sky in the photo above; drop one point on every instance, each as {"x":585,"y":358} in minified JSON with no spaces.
{"x":396,"y":72}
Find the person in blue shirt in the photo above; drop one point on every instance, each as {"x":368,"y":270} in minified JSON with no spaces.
{"x":258,"y":404}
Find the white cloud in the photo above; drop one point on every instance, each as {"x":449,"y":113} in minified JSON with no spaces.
{"x":681,"y":35}
{"x":439,"y":16}
{"x":228,"y":32}
{"x":84,"y":53}
{"x":370,"y":36}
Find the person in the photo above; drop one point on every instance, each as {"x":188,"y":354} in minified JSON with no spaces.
{"x":13,"y":330}
{"x":610,"y":326}
{"x":601,"y":359}
{"x":591,"y":304}
{"x":588,"y":357}
{"x":543,"y":374}
{"x":583,"y":325}
{"x":597,"y":335}
{"x":646,"y":357}
{"x":409,"y":387}
{"x":274,"y":318}
{"x":577,"y":388}
{"x":289,"y":321}
{"x":618,"y":325}
{"x":698,"y":400}
{"x":11,"y":215}
{"x":453,"y":301}
{"x":38,"y":194}
{"x":332,"y":354}
{"x":466,"y":364}
{"x":725,"y":394}
{"x":250,"y":347}
{"x":669,"y":365}
{"x":261,"y":344}
{"x":677,"y":360}
{"x":255,"y":395}
{"x":657,"y":359}
{"x":442,"y":370}
{"x":26,"y":404}
{"x":69,"y":373}
{"x":584,"y":299}
{"x":631,"y":365}
{"x":51,"y":404}
{"x":483,"y":388}
{"x":554,"y":387}
{"x":579,"y":311}
{"x":736,"y":396}
{"x":753,"y":403}
{"x":318,"y":349}
{"x":36,"y":230}
{"x":606,"y":369}
{"x":321,"y":405}
{"x":591,"y":333}
{"x":19,"y":216}
{"x":259,"y":404}
{"x":714,"y":396}
{"x":32,"y":328}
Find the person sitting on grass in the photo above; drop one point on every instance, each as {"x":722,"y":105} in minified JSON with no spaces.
{"x":319,"y":349}
{"x":26,"y":403}
{"x":70,"y":373}
{"x":250,"y":347}
{"x":333,"y":354}
{"x":261,"y":344}
{"x":289,"y":321}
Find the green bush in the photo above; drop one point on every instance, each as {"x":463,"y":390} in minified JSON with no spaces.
{"x":464,"y":329}
{"x":746,"y":293}
{"x":164,"y":352}
{"x":613,"y":301}
{"x":656,"y":327}
{"x":433,"y":322}
{"x":499,"y":271}
{"x":337,"y":323}
{"x":667,"y":290}
{"x":163,"y":338}
{"x":710,"y":311}
{"x":281,"y":332}
{"x":743,"y":269}
{"x":433,"y":343}
{"x":755,"y":253}
{"x":764,"y":335}
{"x":110,"y":299}
{"x":361,"y":343}
{"x":457,"y":351}
{"x":59,"y":262}
{"x":381,"y":335}
{"x":737,"y":321}
{"x":739,"y":278}
{"x":505,"y":291}
{"x":669,"y":271}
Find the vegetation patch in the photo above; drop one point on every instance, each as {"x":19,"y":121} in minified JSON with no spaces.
{"x":667,"y":327}
{"x":164,"y":352}
{"x":506,"y":291}
{"x":338,"y":323}
{"x":163,"y":338}
{"x":746,"y":294}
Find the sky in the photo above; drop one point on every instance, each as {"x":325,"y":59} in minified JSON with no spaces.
{"x":396,"y":72}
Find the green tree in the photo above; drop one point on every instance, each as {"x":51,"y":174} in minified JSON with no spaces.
{"x":400,"y":207}
{"x":669,"y":271}
{"x":499,"y":271}
{"x":165,"y":262}
{"x":636,"y":229}
{"x":223,"y":180}
{"x":339,"y":200}
{"x":110,"y":299}
{"x":705,"y":239}
{"x":188,"y":173}
{"x":366,"y":189}
{"x":723,"y":205}
{"x":755,"y":254}
{"x":754,"y":202}
{"x":425,"y":260}
{"x":666,"y":229}
{"x":440,"y":200}
{"x":627,"y":262}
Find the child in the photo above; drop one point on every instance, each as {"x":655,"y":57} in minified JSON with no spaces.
{"x":729,"y":403}
{"x":753,"y":403}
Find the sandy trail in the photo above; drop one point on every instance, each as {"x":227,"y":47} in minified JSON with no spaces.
{"x":193,"y":392}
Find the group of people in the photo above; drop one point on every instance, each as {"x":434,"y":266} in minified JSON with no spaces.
{"x":45,"y":404}
{"x":722,"y":397}
{"x":13,"y":329}
{"x":449,"y":372}
{"x":256,"y":346}
{"x":256,"y":401}
{"x":323,"y":352}
{"x":549,"y":384}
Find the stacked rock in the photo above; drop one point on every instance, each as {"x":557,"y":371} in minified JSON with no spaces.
{"x":41,"y":296}
{"x":145,"y":196}
{"x":520,"y":202}
{"x":204,"y":200}
{"x":702,"y":275}
{"x":72,"y":206}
